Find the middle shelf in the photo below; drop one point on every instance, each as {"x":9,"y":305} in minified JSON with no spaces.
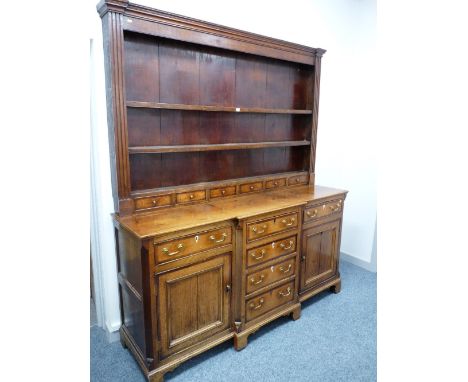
{"x":213,"y":147}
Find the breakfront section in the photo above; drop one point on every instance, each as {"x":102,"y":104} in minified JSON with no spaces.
{"x":219,"y":225}
{"x":321,"y":247}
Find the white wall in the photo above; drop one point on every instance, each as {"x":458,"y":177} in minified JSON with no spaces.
{"x":345,"y":150}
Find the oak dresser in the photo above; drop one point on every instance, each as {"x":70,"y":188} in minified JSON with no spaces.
{"x":219,"y":225}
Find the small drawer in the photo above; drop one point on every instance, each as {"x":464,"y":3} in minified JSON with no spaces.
{"x":187,"y":197}
{"x":222,"y":191}
{"x":271,"y":251}
{"x":187,"y":245}
{"x":152,"y":202}
{"x":267,"y":301}
{"x":275,"y":183}
{"x":273,"y":225}
{"x":321,"y":210}
{"x":269,"y":275}
{"x":298,"y":179}
{"x":250,"y":187}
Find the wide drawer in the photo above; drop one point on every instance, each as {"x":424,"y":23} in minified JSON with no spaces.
{"x":267,"y":301}
{"x":187,"y":245}
{"x":321,"y":210}
{"x":271,"y":251}
{"x":270,"y":275}
{"x":270,"y":226}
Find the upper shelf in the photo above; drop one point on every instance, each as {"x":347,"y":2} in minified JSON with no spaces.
{"x":177,"y":106}
{"x":213,"y":147}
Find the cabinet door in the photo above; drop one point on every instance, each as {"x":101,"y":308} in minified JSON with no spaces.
{"x":194,"y":303}
{"x":319,"y":254}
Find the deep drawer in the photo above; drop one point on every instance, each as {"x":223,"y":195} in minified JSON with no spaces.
{"x":270,"y":275}
{"x":267,"y":301}
{"x":271,"y":251}
{"x":270,"y":226}
{"x":321,"y":210}
{"x":187,"y":245}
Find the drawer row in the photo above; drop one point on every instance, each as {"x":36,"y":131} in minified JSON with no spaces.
{"x":173,"y":249}
{"x":162,"y":200}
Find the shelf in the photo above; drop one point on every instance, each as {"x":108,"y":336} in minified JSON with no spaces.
{"x":176,"y":106}
{"x":213,"y":147}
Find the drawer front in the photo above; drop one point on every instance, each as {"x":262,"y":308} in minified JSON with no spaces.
{"x":267,"y":227}
{"x":271,"y":251}
{"x":222,"y":191}
{"x":187,"y":245}
{"x":269,"y":300}
{"x":152,"y":202}
{"x":250,"y":187}
{"x":275,"y":183}
{"x":187,"y":197}
{"x":321,"y":210}
{"x":298,"y":179}
{"x":269,"y":275}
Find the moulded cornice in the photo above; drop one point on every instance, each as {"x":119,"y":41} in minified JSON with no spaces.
{"x":117,"y":6}
{"x":167,"y":18}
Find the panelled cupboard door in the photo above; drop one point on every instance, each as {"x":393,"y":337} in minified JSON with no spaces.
{"x":194,"y":303}
{"x":319,"y":254}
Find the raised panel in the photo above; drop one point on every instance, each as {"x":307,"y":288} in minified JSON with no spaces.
{"x":319,"y":253}
{"x":210,"y":299}
{"x":194,"y":303}
{"x":182,"y":311}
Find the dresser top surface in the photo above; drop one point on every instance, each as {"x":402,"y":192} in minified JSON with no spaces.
{"x":178,"y":218}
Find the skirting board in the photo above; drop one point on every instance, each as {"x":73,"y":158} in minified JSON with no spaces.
{"x":368,"y":266}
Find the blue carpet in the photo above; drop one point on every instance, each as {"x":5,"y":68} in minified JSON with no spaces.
{"x":334,"y":340}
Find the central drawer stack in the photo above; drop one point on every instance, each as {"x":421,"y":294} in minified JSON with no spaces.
{"x":270,"y":269}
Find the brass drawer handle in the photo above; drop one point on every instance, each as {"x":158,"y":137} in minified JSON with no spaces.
{"x":291,"y":222}
{"x":275,"y":184}
{"x":191,"y":196}
{"x":255,"y":229}
{"x":285,"y":294}
{"x":251,"y":188}
{"x":283,"y":246}
{"x":252,"y":305}
{"x":336,"y":207}
{"x":154,"y":202}
{"x":223,"y":237}
{"x":180,"y":247}
{"x":262,"y":253}
{"x":223,"y":192}
{"x":311,"y":215}
{"x":260,"y":280}
{"x":282,"y":270}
